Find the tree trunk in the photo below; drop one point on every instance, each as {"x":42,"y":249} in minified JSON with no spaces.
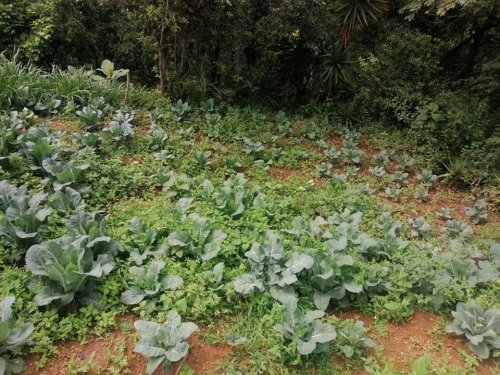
{"x":162,"y":63}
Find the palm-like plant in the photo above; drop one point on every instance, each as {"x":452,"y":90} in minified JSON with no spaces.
{"x":356,"y":14}
{"x":337,"y":66}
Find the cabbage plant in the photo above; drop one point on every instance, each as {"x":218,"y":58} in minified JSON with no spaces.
{"x":66,"y":201}
{"x":90,"y":116}
{"x":272,"y":270}
{"x":236,"y":196}
{"x":181,"y":110}
{"x":200,"y":241}
{"x":332,"y":153}
{"x":427,"y":178}
{"x":148,"y":282}
{"x":393,"y":193}
{"x":67,"y":269}
{"x":382,"y":158}
{"x":324,"y":169}
{"x":174,"y":184}
{"x":400,"y":177}
{"x":481,"y":327}
{"x":353,"y":155}
{"x":12,"y":336}
{"x":163,"y":343}
{"x":458,"y":229}
{"x":405,"y":161}
{"x":91,"y":140}
{"x":377,"y":171}
{"x":306,"y":332}
{"x":421,"y":193}
{"x":420,"y":228}
{"x":64,"y":174}
{"x":157,"y":135}
{"x":478,"y":213}
{"x":353,"y":339}
{"x":120,"y":127}
{"x":24,"y":217}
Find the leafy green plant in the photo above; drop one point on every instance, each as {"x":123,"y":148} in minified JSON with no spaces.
{"x":24,"y":217}
{"x":158,"y":136}
{"x":445,"y":213}
{"x":67,"y":268}
{"x":421,"y":193}
{"x":271,"y":271}
{"x":324,"y":169}
{"x":66,"y":200}
{"x":405,"y":161}
{"x":377,"y":171}
{"x":12,"y":337}
{"x":480,"y":327}
{"x":458,"y":229}
{"x":256,"y":149}
{"x":352,"y":171}
{"x":236,"y":196}
{"x":213,"y":118}
{"x":163,"y":343}
{"x":332,"y":153}
{"x":79,"y":367}
{"x":478,"y":213}
{"x":90,"y":116}
{"x":65,"y":174}
{"x":108,"y":69}
{"x":201,"y":159}
{"x":185,"y":133}
{"x":352,"y":339}
{"x":420,"y":228}
{"x":38,"y":144}
{"x":19,"y":119}
{"x":208,"y":106}
{"x":427,"y":178}
{"x":120,"y":127}
{"x":215,"y":276}
{"x":311,"y":130}
{"x":365,"y":189}
{"x":181,"y":110}
{"x":201,"y":241}
{"x":305,"y":331}
{"x":351,"y":138}
{"x":353,"y":155}
{"x":92,"y":140}
{"x":382,"y":158}
{"x":174,"y":184}
{"x":400,"y":178}
{"x":284,"y":124}
{"x":233,"y":162}
{"x":393,"y":193}
{"x":47,"y":104}
{"x":143,"y":240}
{"x":148,"y":282}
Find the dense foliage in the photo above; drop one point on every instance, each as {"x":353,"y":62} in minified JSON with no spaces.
{"x":427,"y":69}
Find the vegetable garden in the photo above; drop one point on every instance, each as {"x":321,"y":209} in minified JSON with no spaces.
{"x":144,"y":236}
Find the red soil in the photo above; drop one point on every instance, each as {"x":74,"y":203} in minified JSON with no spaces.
{"x":404,"y":343}
{"x":202,"y":358}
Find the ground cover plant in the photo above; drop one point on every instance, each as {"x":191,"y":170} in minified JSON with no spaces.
{"x":266,"y":232}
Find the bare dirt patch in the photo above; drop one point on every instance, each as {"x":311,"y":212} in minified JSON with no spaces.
{"x":284,"y":173}
{"x":69,"y":127}
{"x":202,"y":358}
{"x":131,"y":159}
{"x":404,"y":343}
